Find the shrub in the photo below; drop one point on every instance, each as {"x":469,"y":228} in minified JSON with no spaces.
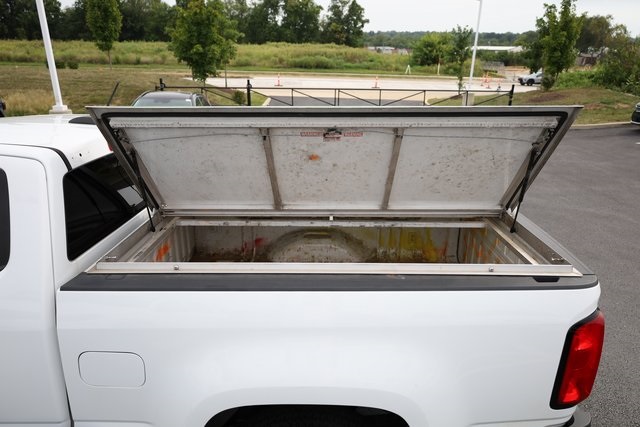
{"x":239,"y":97}
{"x":576,"y":79}
{"x":60,"y":64}
{"x":71,"y":61}
{"x":548,"y":81}
{"x":312,"y":62}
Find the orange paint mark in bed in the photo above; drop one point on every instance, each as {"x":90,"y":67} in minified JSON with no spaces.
{"x":314,"y":157}
{"x":162,"y":252}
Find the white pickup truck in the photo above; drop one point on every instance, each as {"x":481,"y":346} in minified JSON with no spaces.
{"x":281,"y":267}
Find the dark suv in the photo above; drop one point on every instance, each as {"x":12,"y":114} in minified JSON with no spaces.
{"x":635,"y":116}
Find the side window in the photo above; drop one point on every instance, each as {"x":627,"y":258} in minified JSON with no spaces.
{"x":98,"y":198}
{"x":5,"y":229}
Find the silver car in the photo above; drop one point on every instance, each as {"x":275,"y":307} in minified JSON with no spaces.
{"x":531,"y":79}
{"x":163,"y":98}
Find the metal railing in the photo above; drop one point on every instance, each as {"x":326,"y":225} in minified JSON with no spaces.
{"x":349,"y":96}
{"x":373,"y":96}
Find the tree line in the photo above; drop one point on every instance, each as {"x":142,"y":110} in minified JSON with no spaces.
{"x":407,"y":39}
{"x":257,"y":22}
{"x":560,"y":36}
{"x":205,"y":32}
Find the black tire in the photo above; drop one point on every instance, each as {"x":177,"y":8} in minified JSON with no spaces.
{"x":529,"y":82}
{"x":305,"y":416}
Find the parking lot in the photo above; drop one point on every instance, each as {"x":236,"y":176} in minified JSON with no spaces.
{"x":318,"y":90}
{"x":588,"y":197}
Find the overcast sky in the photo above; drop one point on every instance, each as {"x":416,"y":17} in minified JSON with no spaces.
{"x":499,"y":16}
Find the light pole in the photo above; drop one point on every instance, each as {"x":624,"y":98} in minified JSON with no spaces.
{"x":59,"y":108}
{"x":475,"y":46}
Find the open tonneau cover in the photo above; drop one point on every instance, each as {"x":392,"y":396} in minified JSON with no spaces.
{"x":356,"y":162}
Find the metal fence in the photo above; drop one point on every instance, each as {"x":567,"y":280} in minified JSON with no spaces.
{"x":351,"y":96}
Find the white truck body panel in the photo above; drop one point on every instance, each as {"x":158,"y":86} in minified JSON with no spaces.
{"x":27,"y":303}
{"x":434,"y":358}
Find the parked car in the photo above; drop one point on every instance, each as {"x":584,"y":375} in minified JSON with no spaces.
{"x":163,"y":98}
{"x":531,"y":79}
{"x":635,"y":116}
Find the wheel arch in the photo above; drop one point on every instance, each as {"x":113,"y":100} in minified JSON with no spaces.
{"x":221,"y":409}
{"x":243,"y":416}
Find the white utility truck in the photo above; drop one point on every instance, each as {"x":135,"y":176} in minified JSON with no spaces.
{"x":281,"y":267}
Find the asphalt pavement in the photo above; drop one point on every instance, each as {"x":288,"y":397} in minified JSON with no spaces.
{"x":588,"y":198}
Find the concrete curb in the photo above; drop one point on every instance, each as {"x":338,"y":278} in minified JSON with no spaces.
{"x":600,"y":125}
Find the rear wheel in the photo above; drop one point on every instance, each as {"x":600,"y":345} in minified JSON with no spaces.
{"x":530,"y":82}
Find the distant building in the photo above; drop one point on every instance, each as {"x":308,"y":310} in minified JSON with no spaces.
{"x":588,"y":59}
{"x":388,"y":50}
{"x":512,"y":49}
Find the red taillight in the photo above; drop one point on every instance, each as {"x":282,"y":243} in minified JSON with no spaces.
{"x":579,"y":363}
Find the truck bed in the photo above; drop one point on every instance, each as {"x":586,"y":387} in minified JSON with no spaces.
{"x":483,"y":246}
{"x":362,"y":259}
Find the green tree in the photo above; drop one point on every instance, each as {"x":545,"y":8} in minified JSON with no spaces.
{"x":158,"y":21}
{"x":559,"y":31}
{"x":533,"y":50}
{"x":460,"y":50}
{"x":134,"y":19}
{"x":105,"y":21}
{"x":19,"y":19}
{"x":264,"y":22}
{"x":300,"y":21}
{"x":344,"y":23}
{"x":431,"y":49}
{"x":595,"y":33}
{"x":145,"y":20}
{"x":238,"y":12}
{"x":497,"y":39}
{"x":203,"y":37}
{"x":620,"y":66}
{"x":74,"y":22}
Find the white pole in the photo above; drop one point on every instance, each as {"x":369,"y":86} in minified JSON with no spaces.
{"x":475,"y":46}
{"x":59,"y":108}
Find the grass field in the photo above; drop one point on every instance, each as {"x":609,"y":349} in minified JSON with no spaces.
{"x":26,"y":88}
{"x":25,"y":84}
{"x":270,"y":56}
{"x":599,"y":105}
